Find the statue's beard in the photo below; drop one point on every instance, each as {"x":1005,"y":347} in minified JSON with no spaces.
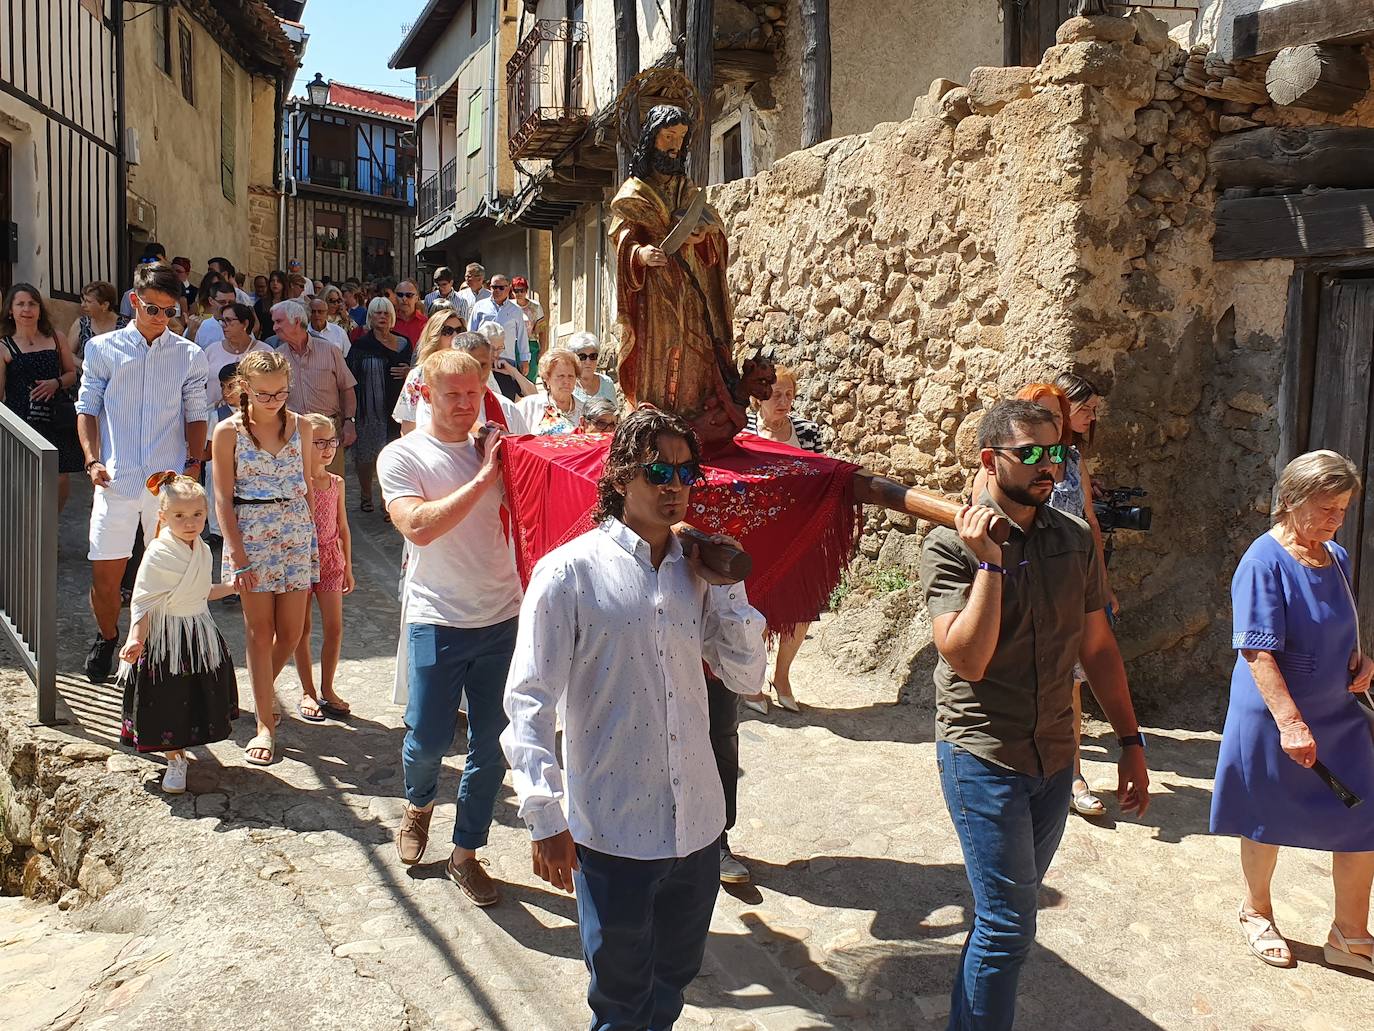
{"x":665,"y":164}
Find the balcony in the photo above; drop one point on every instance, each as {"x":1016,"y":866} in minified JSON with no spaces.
{"x":360,"y":175}
{"x":439,"y":192}
{"x":546,"y":89}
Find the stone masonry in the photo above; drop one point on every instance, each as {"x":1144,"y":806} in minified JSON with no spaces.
{"x":1032,"y":221}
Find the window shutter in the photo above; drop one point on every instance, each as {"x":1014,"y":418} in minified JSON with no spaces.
{"x":227,"y":120}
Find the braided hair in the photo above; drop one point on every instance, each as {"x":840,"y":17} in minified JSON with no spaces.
{"x":260,"y":363}
{"x":636,"y":442}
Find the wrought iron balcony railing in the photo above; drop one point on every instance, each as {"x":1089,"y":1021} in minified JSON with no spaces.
{"x":546,"y":89}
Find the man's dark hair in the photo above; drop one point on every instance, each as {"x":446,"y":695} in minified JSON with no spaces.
{"x":381,"y":286}
{"x":153,"y":249}
{"x":157,"y":276}
{"x":225,"y":286}
{"x":999,"y":425}
{"x":636,"y":442}
{"x":660,"y":117}
{"x":225,"y":265}
{"x":228,"y":372}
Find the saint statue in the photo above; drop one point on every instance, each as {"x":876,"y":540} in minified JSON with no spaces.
{"x":674,"y":311}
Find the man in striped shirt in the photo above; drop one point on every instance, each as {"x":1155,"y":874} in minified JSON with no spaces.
{"x":141,"y":410}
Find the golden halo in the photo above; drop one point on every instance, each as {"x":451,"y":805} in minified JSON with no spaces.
{"x":649,"y":88}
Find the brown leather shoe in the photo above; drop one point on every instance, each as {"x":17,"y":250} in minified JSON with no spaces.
{"x":413,"y":836}
{"x":473,"y":879}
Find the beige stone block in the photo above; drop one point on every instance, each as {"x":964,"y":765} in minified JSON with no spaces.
{"x":1125,"y":69}
{"x":954,"y":105}
{"x":1150,"y":32}
{"x":1161,"y":186}
{"x":1102,"y":27}
{"x":1151,"y":126}
{"x":930,"y":103}
{"x":991,"y":89}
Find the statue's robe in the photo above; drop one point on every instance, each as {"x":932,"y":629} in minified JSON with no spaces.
{"x":676,"y":333}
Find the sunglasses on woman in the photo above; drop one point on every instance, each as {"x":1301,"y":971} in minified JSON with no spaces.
{"x":1034,"y":454}
{"x":660,"y":474}
{"x":448,"y":331}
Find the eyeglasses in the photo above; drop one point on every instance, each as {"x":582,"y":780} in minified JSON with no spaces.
{"x":520,"y":290}
{"x":405,"y":293}
{"x":499,"y":286}
{"x":587,"y":356}
{"x":224,"y":320}
{"x":448,"y":331}
{"x":153,"y":311}
{"x":326,"y":443}
{"x":605,"y":426}
{"x":660,"y":474}
{"x":1034,"y":454}
{"x":267,"y":399}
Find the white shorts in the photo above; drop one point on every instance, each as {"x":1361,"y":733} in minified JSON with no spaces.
{"x":114,"y":523}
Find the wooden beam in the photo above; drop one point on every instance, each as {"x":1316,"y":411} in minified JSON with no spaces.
{"x":1296,"y":226}
{"x":1319,"y":76}
{"x":817,"y":118}
{"x":1269,"y":30}
{"x":626,"y":66}
{"x":744,"y":66}
{"x":698,"y":62}
{"x":1297,"y":156}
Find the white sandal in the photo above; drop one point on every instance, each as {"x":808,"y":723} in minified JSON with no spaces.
{"x":1259,"y":929}
{"x":1341,"y":956}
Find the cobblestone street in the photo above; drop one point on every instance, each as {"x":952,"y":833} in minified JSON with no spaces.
{"x":273,"y":898}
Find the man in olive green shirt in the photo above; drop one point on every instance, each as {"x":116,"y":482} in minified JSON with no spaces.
{"x":1009,"y":621}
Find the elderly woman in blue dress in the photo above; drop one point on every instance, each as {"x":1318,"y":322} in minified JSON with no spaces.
{"x":1293,"y":702}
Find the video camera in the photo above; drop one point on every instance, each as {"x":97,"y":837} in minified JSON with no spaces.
{"x":1115,"y":511}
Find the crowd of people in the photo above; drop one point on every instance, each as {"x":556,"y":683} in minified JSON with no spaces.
{"x":200,"y":430}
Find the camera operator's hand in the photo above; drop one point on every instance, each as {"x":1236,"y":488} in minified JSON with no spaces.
{"x":972,"y":523}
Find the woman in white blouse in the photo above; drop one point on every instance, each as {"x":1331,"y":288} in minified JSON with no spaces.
{"x":554,"y":409}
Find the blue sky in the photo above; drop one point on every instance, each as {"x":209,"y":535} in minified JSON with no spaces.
{"x":351,"y":41}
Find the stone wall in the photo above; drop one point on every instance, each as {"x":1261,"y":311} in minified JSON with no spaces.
{"x":1033,"y":221}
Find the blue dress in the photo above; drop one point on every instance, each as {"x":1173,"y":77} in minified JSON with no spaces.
{"x":1304,"y":616}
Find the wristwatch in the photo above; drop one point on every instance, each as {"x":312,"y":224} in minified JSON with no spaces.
{"x":1132,"y":739}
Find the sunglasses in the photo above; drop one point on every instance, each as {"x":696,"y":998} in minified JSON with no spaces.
{"x":586,"y":356}
{"x":660,"y":474}
{"x":496,"y":286}
{"x":406,"y":293}
{"x":1034,"y":454}
{"x":153,"y":311}
{"x":521,"y":290}
{"x":605,"y":426}
{"x":448,"y":331}
{"x":267,"y":399}
{"x":326,"y":443}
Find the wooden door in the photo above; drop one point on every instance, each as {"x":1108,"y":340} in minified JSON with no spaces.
{"x":1033,"y":25}
{"x":1342,"y":393}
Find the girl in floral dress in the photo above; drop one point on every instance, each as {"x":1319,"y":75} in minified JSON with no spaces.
{"x":263,"y":498}
{"x":178,"y":678}
{"x":336,"y":576}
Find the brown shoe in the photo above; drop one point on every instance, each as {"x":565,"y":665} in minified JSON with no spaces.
{"x":413,"y":836}
{"x":473,"y":879}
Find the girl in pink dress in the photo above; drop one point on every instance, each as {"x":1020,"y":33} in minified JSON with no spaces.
{"x":336,"y":576}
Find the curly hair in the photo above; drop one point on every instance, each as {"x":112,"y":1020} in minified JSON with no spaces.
{"x":636,"y":442}
{"x":660,"y":117}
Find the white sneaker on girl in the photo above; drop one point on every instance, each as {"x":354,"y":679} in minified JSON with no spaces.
{"x":174,"y":779}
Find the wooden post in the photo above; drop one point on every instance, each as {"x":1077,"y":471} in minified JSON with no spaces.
{"x":1319,"y":76}
{"x":1011,"y":33}
{"x":698,"y":64}
{"x":626,"y":68}
{"x":815,"y":72}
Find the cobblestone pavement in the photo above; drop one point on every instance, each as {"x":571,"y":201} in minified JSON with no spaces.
{"x":274,"y":898}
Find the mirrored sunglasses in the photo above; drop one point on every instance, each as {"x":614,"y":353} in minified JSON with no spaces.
{"x":1034,"y":454}
{"x":660,"y":474}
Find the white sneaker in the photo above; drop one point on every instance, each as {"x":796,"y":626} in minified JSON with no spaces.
{"x":174,"y":779}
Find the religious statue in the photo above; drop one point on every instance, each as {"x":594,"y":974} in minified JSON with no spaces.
{"x":674,"y":310}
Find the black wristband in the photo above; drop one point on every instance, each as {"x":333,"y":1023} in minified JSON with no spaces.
{"x":1132,"y":739}
{"x":992,"y":567}
{"x":93,"y":461}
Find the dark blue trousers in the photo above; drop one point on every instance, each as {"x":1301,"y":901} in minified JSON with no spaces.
{"x":643,"y":924}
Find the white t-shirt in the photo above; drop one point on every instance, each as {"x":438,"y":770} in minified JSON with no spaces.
{"x":467,"y":577}
{"x":217,"y":357}
{"x":411,"y":407}
{"x":337,"y":336}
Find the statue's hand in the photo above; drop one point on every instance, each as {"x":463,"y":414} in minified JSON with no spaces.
{"x":650,"y":256}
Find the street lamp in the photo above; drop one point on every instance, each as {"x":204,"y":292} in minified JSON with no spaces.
{"x":318,"y":91}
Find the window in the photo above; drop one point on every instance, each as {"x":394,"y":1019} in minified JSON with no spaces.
{"x":474,"y":123}
{"x":732,"y":146}
{"x":227,"y":118}
{"x":162,"y":39}
{"x":472,"y":21}
{"x":377,"y":254}
{"x":333,"y":150}
{"x":188,"y":86}
{"x":567,"y":284}
{"x":732,"y":154}
{"x":329,"y":231}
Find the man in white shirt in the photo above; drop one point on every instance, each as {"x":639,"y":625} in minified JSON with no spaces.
{"x":500,"y":309}
{"x":225,"y":268}
{"x":294,"y":267}
{"x":442,"y":489}
{"x":614,"y":629}
{"x":207,"y":330}
{"x":331,"y":331}
{"x":474,"y":288}
{"x":443,"y":291}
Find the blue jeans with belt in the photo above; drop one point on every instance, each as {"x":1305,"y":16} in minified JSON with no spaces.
{"x":1009,"y":826}
{"x":445,"y":662}
{"x":643,"y":924}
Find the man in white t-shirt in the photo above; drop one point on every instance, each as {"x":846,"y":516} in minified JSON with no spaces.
{"x":412,"y":410}
{"x":331,"y":331}
{"x":442,"y":488}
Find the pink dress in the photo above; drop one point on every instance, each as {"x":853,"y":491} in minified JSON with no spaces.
{"x":327,"y":536}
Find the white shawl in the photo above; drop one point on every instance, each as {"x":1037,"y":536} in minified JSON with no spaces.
{"x":172,"y":590}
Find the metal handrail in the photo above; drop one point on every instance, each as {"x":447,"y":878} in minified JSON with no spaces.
{"x":28,"y":554}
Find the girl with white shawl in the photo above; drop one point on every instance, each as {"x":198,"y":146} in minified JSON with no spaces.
{"x":178,"y":679}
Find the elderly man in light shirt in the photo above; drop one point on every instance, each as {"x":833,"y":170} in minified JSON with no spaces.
{"x":500,"y":309}
{"x":141,"y":410}
{"x":321,"y":326}
{"x":321,"y":381}
{"x":613,"y":631}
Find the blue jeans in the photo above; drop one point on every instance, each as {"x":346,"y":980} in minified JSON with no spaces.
{"x":643,"y":924}
{"x":1009,"y":825}
{"x":445,"y":661}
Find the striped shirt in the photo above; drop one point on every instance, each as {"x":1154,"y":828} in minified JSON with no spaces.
{"x":320,"y":378}
{"x":805,"y":433}
{"x":143,"y":395}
